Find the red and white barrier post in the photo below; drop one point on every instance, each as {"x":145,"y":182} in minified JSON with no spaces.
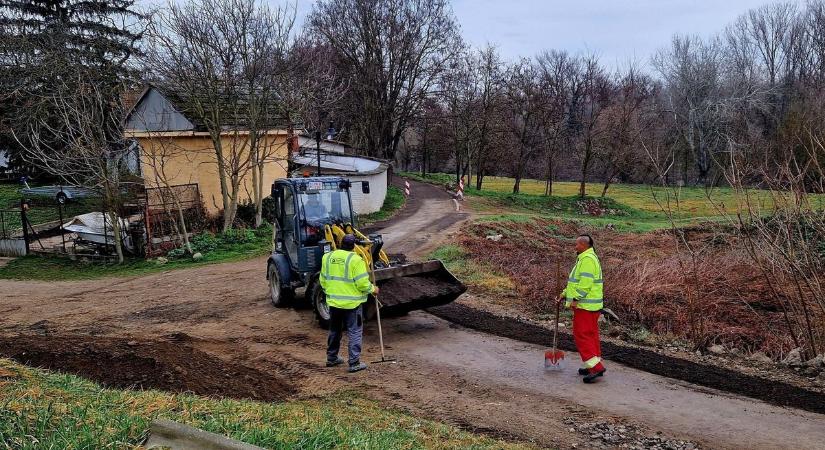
{"x":406,"y":188}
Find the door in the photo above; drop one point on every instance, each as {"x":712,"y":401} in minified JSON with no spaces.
{"x":290,"y":231}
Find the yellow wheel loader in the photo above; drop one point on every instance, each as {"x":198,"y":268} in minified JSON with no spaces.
{"x":311,"y":217}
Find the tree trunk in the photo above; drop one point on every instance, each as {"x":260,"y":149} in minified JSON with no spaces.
{"x":225,"y":197}
{"x":585,"y":168}
{"x":257,"y":163}
{"x":479,"y":170}
{"x":606,"y":186}
{"x":548,"y":185}
{"x":258,"y":172}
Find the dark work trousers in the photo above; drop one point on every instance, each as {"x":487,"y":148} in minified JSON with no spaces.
{"x":351,"y":321}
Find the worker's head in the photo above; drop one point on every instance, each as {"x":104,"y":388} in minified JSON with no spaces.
{"x":348,"y":242}
{"x":583,"y":242}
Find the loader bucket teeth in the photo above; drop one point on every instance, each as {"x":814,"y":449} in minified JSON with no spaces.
{"x":409,"y":287}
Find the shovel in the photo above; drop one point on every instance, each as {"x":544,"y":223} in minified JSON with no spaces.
{"x":384,"y":358}
{"x":554,"y":358}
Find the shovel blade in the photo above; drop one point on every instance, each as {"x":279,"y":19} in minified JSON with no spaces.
{"x":554,"y":360}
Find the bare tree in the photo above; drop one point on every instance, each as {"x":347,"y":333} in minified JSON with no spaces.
{"x":556,"y":70}
{"x":590,"y":95}
{"x":93,"y":150}
{"x":489,"y":81}
{"x":691,"y":69}
{"x":524,"y":115}
{"x":226,"y":59}
{"x":161,"y":154}
{"x":621,"y":121}
{"x":391,"y":52}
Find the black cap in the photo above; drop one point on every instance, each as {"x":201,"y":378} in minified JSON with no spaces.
{"x":348,"y":242}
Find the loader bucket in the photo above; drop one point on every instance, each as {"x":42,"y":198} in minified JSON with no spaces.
{"x":409,"y":287}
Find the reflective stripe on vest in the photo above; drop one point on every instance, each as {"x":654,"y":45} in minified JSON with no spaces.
{"x":592,"y":299}
{"x":340,"y":282}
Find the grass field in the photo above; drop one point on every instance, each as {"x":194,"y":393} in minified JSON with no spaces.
{"x":41,"y":409}
{"x":694,"y":202}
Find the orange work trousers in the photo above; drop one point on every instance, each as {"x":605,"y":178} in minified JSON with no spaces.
{"x":586,"y":336}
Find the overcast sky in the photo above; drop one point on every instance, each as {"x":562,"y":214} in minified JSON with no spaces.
{"x":617,"y":30}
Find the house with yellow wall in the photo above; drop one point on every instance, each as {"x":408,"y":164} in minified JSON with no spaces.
{"x":177,"y":149}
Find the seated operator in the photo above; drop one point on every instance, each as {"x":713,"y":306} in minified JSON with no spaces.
{"x":314,"y":209}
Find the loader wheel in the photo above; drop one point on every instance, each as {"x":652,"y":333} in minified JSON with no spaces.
{"x":278,"y":296}
{"x":319,"y":303}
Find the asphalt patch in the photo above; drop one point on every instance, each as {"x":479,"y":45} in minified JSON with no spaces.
{"x":770,"y":391}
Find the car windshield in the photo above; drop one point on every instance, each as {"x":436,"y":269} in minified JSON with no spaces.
{"x":325,"y":206}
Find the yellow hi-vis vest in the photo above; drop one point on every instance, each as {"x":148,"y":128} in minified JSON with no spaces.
{"x":345,"y":279}
{"x":586,"y":283}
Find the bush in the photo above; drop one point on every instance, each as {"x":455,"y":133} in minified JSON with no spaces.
{"x":237,"y":236}
{"x":246,"y":214}
{"x":204,"y":242}
{"x":176,"y":253}
{"x":268,"y":209}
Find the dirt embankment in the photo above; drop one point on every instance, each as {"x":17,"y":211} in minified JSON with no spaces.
{"x":647,"y":280}
{"x":169,"y":365}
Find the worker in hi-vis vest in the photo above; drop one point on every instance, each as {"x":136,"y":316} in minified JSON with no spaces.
{"x":584,"y":294}
{"x":346,"y":283}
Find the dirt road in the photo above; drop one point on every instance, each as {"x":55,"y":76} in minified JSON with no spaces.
{"x":478,"y":381}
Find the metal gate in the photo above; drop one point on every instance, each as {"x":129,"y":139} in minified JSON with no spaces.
{"x":13,"y":240}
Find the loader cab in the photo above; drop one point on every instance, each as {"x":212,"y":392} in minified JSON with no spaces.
{"x":303,"y":206}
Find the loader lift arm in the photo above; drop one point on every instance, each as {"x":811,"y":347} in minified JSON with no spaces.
{"x":312,"y":215}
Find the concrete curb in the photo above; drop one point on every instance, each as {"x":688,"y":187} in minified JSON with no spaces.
{"x":165,"y":433}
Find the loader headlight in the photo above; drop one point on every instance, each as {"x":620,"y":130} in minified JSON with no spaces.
{"x":279,"y":246}
{"x":327,"y":248}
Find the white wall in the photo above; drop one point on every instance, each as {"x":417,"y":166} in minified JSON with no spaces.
{"x":372,"y":202}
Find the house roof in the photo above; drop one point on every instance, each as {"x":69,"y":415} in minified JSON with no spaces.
{"x":230,"y":110}
{"x":341,"y":164}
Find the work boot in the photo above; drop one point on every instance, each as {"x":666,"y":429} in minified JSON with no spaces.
{"x":357,"y":367}
{"x":583,"y":371}
{"x":338,"y":361}
{"x":591,"y":378}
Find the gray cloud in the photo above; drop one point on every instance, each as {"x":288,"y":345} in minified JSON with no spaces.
{"x":616,"y":30}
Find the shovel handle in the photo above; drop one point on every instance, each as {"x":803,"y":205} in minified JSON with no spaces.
{"x":556,"y":329}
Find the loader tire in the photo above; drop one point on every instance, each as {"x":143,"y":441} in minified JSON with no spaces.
{"x":318,"y":300}
{"x":279,"y":296}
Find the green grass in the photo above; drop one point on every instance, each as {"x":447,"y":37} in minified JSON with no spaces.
{"x":472,"y":272}
{"x":42,"y":209}
{"x":629,"y":208}
{"x":693,"y":202}
{"x":41,"y":409}
{"x":53,"y":268}
{"x":393,"y":202}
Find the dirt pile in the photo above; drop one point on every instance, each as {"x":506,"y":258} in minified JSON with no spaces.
{"x":423,"y":291}
{"x":140,"y":364}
